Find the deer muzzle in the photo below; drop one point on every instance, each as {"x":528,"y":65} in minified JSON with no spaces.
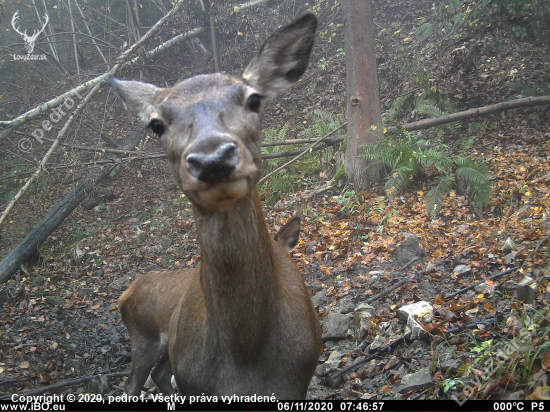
{"x":214,"y":167}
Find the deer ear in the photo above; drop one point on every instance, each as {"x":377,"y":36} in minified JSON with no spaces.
{"x":283,"y":58}
{"x":289,"y":234}
{"x":139,"y":97}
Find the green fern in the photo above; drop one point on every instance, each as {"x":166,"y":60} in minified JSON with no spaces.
{"x":476,"y":179}
{"x":398,"y":180}
{"x":408,"y":156}
{"x":434,"y":198}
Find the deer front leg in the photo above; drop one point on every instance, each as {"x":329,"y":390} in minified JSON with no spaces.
{"x":144,"y":356}
{"x":162,"y":375}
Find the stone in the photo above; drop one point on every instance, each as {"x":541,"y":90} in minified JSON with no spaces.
{"x":331,"y":365}
{"x":166,"y":243}
{"x":508,"y":246}
{"x":83,"y":292}
{"x":319,"y":299}
{"x":527,"y":290}
{"x":462,"y":269}
{"x":38,"y":281}
{"x":335,"y":326}
{"x":417,"y":380}
{"x":55,"y":300}
{"x":99,"y":385}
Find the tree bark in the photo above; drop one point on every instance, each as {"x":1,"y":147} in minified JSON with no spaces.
{"x":32,"y":242}
{"x":363,"y":102}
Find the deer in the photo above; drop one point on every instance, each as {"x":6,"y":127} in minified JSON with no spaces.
{"x":244,"y":323}
{"x":148,"y":324}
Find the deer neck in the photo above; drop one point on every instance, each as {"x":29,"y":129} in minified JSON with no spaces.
{"x":237,"y":271}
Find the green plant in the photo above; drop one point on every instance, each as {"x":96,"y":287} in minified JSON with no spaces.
{"x":408,"y":157}
{"x":451,"y":384}
{"x":323,"y":64}
{"x":426,"y":103}
{"x":349,"y":201}
{"x":184,"y":76}
{"x":79,"y":231}
{"x":113,"y":172}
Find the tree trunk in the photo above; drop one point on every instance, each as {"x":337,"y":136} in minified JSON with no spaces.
{"x":363,"y":104}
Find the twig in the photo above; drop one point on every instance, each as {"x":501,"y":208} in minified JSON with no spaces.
{"x":480,"y":282}
{"x":75,"y":381}
{"x":389,"y":347}
{"x":305,"y":151}
{"x":385,"y":292}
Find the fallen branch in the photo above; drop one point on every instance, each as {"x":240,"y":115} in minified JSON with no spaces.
{"x":30,"y":244}
{"x":334,"y":140}
{"x":81,"y":105}
{"x":389,"y":347}
{"x":122,"y":63}
{"x":75,"y":381}
{"x":480,"y":282}
{"x":468,"y":114}
{"x":294,"y":152}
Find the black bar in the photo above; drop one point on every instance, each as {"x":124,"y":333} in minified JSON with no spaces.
{"x":106,"y":404}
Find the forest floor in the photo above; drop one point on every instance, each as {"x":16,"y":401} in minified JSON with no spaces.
{"x":61,"y":321}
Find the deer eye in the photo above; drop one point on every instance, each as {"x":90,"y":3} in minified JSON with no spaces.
{"x":157,"y":126}
{"x":255,"y":102}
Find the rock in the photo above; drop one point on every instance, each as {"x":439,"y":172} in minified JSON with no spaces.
{"x":55,"y":300}
{"x":423,"y":312}
{"x":133,"y":220}
{"x":99,"y":385}
{"x":166,"y":243}
{"x":346,"y":305}
{"x":319,"y":299}
{"x":310,"y":248}
{"x":38,"y":281}
{"x":279,"y":206}
{"x":335,"y":326}
{"x":430,"y":267}
{"x":361,"y":320}
{"x":379,"y":342}
{"x":123,"y":282}
{"x":449,"y":315}
{"x":508,"y":246}
{"x":76,"y":254}
{"x":481,"y":287}
{"x":527,"y":290}
{"x":416,"y":380}
{"x":331,"y":365}
{"x":510,"y":257}
{"x":91,"y":202}
{"x":409,"y":249}
{"x":422,"y":309}
{"x":414,"y":330}
{"x":85,"y":292}
{"x":449,"y":365}
{"x":462,"y":270}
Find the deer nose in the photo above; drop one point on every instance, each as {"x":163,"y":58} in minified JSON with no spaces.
{"x":213,"y":168}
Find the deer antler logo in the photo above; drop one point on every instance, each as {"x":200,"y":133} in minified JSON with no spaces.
{"x":29,"y":40}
